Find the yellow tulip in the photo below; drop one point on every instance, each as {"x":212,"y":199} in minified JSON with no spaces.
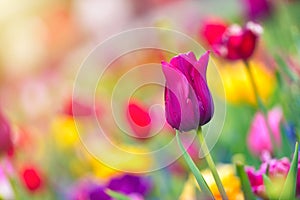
{"x":237,"y":84}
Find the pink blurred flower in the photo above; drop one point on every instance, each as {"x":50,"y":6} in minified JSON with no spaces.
{"x":277,"y":169}
{"x":6,"y":144}
{"x":258,"y":139}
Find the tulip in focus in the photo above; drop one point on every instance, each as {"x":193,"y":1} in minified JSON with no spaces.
{"x":5,"y":135}
{"x":259,"y":140}
{"x":188,"y":101}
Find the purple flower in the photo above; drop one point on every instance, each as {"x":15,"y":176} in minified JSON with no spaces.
{"x":5,"y":135}
{"x":188,"y":100}
{"x":256,"y":9}
{"x":130,"y":184}
{"x":99,"y":193}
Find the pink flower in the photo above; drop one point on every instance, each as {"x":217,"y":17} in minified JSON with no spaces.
{"x":6,"y":144}
{"x":277,"y":169}
{"x":258,"y":139}
{"x":188,"y":102}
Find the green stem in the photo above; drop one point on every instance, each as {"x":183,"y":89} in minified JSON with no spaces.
{"x":199,"y":178}
{"x":261,"y":105}
{"x":211,"y":164}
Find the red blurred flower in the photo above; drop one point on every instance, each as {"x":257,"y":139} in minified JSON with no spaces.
{"x":139,"y":119}
{"x":213,"y":30}
{"x":31,"y":178}
{"x":232,"y":42}
{"x":6,"y":144}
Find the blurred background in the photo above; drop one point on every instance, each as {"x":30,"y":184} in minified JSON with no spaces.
{"x":44,"y":43}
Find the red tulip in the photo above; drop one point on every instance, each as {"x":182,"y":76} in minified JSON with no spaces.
{"x":139,"y":119}
{"x":31,"y":177}
{"x":232,"y":42}
{"x":213,"y":30}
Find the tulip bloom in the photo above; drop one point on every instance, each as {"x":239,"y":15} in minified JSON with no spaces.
{"x":231,"y":42}
{"x":259,"y":139}
{"x":5,"y":135}
{"x":277,"y":171}
{"x":188,"y":102}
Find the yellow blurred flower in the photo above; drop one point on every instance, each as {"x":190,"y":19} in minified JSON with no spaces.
{"x":65,"y":132}
{"x":230,"y":182}
{"x":132,"y":160}
{"x":237,"y":85}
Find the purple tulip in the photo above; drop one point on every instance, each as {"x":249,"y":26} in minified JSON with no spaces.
{"x":188,"y":100}
{"x":5,"y":135}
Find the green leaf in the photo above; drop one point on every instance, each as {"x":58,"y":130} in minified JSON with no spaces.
{"x":285,"y":68}
{"x":117,"y":195}
{"x":200,"y":180}
{"x":269,"y":187}
{"x":289,"y":188}
{"x":245,"y":182}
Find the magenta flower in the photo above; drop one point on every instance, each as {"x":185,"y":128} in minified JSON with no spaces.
{"x":259,"y":139}
{"x":5,"y":135}
{"x":256,"y":9}
{"x":277,"y":169}
{"x":188,"y":100}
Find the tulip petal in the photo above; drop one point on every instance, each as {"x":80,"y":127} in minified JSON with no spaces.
{"x":176,"y":81}
{"x":202,"y":63}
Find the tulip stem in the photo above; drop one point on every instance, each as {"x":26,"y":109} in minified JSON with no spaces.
{"x":260,"y":104}
{"x":199,"y":178}
{"x":211,"y":164}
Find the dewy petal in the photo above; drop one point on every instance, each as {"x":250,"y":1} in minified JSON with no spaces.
{"x":184,"y":63}
{"x":180,"y":100}
{"x":205,"y":101}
